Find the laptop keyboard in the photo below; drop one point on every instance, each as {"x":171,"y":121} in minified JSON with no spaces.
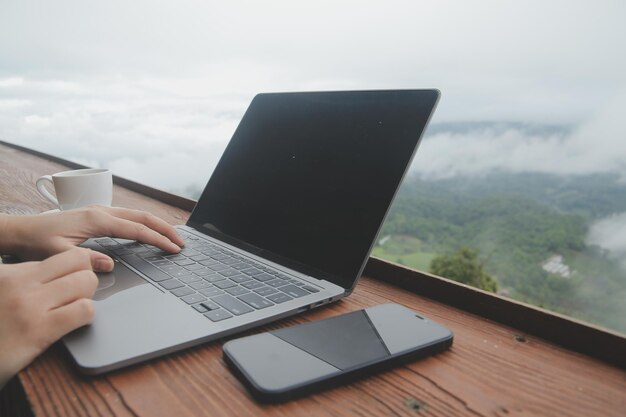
{"x":211,"y":279}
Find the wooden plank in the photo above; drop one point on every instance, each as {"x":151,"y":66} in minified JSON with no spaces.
{"x":64,"y":164}
{"x":491,"y":369}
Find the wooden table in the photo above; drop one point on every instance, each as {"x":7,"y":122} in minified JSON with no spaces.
{"x":491,"y":369}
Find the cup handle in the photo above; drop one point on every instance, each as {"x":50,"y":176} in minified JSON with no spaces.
{"x":44,"y":191}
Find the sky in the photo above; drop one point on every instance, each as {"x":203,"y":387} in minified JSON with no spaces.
{"x":154,"y":89}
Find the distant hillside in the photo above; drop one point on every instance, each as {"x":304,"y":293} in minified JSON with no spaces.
{"x":518,"y":221}
{"x":497,"y":127}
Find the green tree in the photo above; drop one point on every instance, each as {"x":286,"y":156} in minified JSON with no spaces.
{"x":463,"y":266}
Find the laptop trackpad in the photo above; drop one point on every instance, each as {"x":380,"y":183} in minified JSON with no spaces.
{"x":120,"y":279}
{"x":133,"y":319}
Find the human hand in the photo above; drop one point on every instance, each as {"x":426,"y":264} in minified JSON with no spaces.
{"x":37,"y":237}
{"x":40,"y":302}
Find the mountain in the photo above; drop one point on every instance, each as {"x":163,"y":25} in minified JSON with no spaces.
{"x":519,"y":222}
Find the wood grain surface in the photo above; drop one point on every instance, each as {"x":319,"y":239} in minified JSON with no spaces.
{"x":491,"y":369}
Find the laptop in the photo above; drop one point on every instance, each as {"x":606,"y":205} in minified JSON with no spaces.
{"x":285,"y":224}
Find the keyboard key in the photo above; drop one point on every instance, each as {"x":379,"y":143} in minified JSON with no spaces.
{"x":175,"y":257}
{"x":188,"y":279}
{"x":159,"y":252}
{"x":181,"y":292}
{"x":219,"y":256}
{"x":294,"y":291}
{"x":229,"y":272}
{"x":239,"y":266}
{"x":170,"y":284}
{"x":210,"y":305}
{"x":264,"y":291}
{"x":122,"y":241}
{"x":200,"y":308}
{"x":154,"y":258}
{"x":276,"y":282}
{"x":310,"y":288}
{"x":217,"y":315}
{"x":194,"y":267}
{"x":178,"y":273}
{"x":240,"y":278}
{"x":200,"y":257}
{"x":209,"y":262}
{"x":204,"y":272}
{"x":218,"y":267}
{"x":193,"y":298}
{"x":279,"y":298}
{"x":263,"y":277}
{"x":229,"y":261}
{"x":103,"y":240}
{"x":255,"y":301}
{"x":200,"y":285}
{"x":252,"y":271}
{"x":252,"y":284}
{"x":232,"y":304}
{"x":184,"y":262}
{"x":151,"y":272}
{"x":161,"y":263}
{"x":235,"y":291}
{"x":170,"y":268}
{"x":120,"y":252}
{"x":224,"y":284}
{"x":141,"y":251}
{"x":188,"y":252}
{"x":211,"y":292}
{"x":214,"y":278}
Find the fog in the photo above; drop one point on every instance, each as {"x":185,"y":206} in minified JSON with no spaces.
{"x":154,"y":90}
{"x":596,"y":145}
{"x":610,"y":234}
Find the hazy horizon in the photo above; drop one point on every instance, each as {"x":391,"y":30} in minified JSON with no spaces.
{"x":143,"y":86}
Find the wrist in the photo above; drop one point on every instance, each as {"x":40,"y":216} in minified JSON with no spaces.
{"x":13,"y":234}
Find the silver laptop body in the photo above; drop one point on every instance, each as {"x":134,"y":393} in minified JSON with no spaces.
{"x":292,"y":211}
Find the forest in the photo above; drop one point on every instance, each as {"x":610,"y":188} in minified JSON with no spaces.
{"x":517,"y":223}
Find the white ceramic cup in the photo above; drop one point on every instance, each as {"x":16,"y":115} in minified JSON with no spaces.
{"x":78,"y":188}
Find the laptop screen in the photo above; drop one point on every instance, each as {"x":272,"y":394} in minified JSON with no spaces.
{"x":307,"y":178}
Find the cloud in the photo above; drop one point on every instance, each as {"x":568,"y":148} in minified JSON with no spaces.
{"x":11,"y":82}
{"x":597,"y":145}
{"x":610,"y":233}
{"x":129,"y":84}
{"x":493,"y":60}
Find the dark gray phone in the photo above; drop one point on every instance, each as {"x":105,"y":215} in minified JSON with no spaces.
{"x":287,"y":363}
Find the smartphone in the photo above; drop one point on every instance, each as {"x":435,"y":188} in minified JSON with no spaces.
{"x":287,"y":363}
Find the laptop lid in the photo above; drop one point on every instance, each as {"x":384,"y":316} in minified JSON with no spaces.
{"x":307,"y":178}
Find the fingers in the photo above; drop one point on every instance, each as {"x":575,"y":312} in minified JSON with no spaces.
{"x":147,"y":219}
{"x":71,"y":316}
{"x":101,"y":262}
{"x":127,"y":229}
{"x":75,"y":259}
{"x":69,"y":288}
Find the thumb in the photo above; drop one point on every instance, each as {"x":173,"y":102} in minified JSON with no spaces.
{"x":100,"y":262}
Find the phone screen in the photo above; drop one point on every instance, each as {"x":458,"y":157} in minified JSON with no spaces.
{"x":343,"y":341}
{"x":285,"y":363}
